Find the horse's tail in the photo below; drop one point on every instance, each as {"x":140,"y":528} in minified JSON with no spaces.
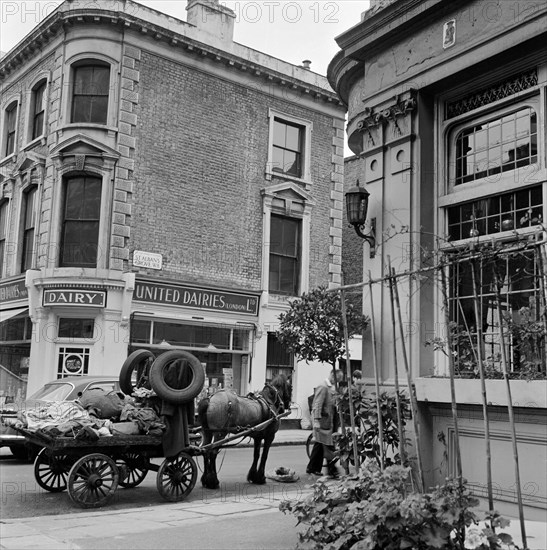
{"x":202,"y":413}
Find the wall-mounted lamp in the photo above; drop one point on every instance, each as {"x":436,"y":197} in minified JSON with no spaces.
{"x":357,"y":206}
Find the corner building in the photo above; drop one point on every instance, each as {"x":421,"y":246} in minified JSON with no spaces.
{"x":162,"y":187}
{"x":447,"y":122}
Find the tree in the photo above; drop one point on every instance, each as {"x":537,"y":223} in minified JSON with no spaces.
{"x":313,"y":327}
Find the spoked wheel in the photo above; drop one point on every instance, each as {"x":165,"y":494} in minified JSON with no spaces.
{"x":177,"y":477}
{"x":51,"y":471}
{"x":132,"y":468}
{"x":92,"y":480}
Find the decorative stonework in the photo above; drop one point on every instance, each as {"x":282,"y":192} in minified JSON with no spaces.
{"x":123,"y":186}
{"x":488,"y":95}
{"x":337,"y":204}
{"x":387,"y":124}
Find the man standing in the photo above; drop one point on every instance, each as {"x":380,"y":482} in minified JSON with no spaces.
{"x":323,"y":416}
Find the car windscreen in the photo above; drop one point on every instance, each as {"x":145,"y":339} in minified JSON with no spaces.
{"x":53,"y":392}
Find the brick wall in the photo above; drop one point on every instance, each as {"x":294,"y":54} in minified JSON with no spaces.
{"x":200,"y":157}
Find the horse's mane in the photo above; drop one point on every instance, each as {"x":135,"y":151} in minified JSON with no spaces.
{"x":282,"y":384}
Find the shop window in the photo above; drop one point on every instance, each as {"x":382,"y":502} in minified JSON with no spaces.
{"x":284,"y":258}
{"x":516,"y":210}
{"x":80,"y":223}
{"x":212,"y":337}
{"x":278,"y":359}
{"x":76,"y":328}
{"x":38,"y":109}
{"x":91,"y":82}
{"x":517,"y":272}
{"x":3,"y":231}
{"x":72,"y":362}
{"x":10,"y":125}
{"x":29,"y":220}
{"x":497,"y":145}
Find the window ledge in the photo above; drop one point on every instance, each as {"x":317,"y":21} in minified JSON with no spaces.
{"x":88,"y":125}
{"x":524,"y":393}
{"x":303,"y":181}
{"x":7,"y":159}
{"x":40,"y":140}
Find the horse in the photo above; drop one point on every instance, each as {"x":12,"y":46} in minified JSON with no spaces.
{"x":226,"y":412}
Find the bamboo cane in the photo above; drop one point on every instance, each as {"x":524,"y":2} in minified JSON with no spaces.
{"x":348,"y":374}
{"x":452,"y":384}
{"x":376,"y":378}
{"x":541,"y":264}
{"x":402,"y":443}
{"x":411,"y":389}
{"x":510,"y":407}
{"x":478,"y":321}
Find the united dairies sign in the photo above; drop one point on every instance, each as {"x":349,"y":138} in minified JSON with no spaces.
{"x":74,"y":297}
{"x":198,"y":298}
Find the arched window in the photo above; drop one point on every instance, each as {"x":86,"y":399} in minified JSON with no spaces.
{"x":38,"y":109}
{"x":80,"y":223}
{"x":91,"y":83}
{"x":3,"y":231}
{"x":29,"y":221}
{"x":10,"y":124}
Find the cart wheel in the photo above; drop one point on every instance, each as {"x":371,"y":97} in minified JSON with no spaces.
{"x":92,"y":480}
{"x":177,"y":477}
{"x":132,"y":468}
{"x":51,"y":471}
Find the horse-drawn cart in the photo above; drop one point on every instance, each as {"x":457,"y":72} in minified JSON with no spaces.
{"x":91,"y":469}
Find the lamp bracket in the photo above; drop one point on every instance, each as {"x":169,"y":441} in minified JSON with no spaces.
{"x":369,"y":237}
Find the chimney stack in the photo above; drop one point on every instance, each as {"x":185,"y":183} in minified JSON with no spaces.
{"x":211,"y":17}
{"x":306,"y":64}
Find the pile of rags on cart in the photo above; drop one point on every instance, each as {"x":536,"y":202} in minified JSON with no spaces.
{"x":94,"y":415}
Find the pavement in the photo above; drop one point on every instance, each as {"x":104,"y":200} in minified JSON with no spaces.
{"x":243,"y":523}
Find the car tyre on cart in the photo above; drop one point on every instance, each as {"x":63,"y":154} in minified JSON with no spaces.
{"x":166,"y":392}
{"x":177,"y":477}
{"x":92,"y":480}
{"x":135,"y":362}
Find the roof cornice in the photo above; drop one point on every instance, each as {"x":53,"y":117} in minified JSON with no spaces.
{"x":59,"y":20}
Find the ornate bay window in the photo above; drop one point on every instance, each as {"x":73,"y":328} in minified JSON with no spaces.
{"x":493,"y":212}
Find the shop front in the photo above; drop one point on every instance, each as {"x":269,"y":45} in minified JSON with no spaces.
{"x":15,"y":340}
{"x":218,"y":326}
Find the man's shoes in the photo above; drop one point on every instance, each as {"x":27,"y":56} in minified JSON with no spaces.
{"x":314,"y":473}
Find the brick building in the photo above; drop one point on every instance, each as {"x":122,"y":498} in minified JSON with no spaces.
{"x":447,"y":122}
{"x":161,"y":185}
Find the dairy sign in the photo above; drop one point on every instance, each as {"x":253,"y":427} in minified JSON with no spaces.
{"x":198,"y":298}
{"x":74,"y":297}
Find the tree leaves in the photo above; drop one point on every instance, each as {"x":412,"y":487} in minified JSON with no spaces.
{"x":313,"y":328}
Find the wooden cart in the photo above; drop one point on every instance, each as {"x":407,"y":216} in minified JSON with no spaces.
{"x":91,"y":471}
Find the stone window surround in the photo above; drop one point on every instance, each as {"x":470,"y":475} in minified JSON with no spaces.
{"x":29,"y":117}
{"x":68,"y":164}
{"x":269,"y":194}
{"x":68,"y":79}
{"x":14,"y":98}
{"x":307,"y":127}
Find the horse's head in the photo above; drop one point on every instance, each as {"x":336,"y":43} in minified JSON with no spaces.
{"x":283,"y":391}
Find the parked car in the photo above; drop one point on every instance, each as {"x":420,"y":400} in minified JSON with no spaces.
{"x":63,"y":389}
